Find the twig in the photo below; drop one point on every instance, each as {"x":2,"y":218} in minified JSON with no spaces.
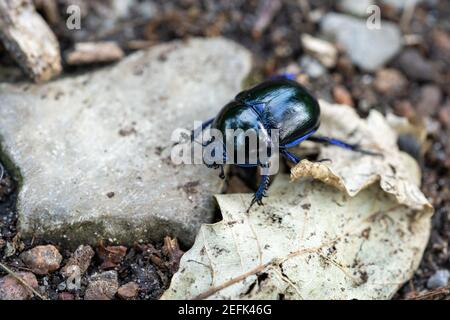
{"x":432,"y":294}
{"x":15,"y":276}
{"x":254,"y":271}
{"x":226,"y":284}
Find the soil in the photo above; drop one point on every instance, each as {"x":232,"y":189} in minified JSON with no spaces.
{"x":276,"y":47}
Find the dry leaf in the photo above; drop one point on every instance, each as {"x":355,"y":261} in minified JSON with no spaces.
{"x":352,"y":228}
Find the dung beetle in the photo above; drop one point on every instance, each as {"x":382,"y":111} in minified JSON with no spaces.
{"x":278,"y":103}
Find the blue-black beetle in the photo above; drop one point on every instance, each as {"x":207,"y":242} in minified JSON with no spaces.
{"x":279,"y":103}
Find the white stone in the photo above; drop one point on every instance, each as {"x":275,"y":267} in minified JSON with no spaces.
{"x":368,"y":48}
{"x":320,"y":49}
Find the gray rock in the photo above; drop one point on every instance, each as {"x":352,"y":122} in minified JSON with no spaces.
{"x":93,"y":151}
{"x":430,"y":100}
{"x":368,"y":48}
{"x":357,"y":8}
{"x":439,"y":279}
{"x":415,"y":66}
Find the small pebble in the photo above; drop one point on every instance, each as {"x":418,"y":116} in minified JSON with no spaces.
{"x":444,"y":116}
{"x":12,"y":289}
{"x":312,"y":67}
{"x":128,"y":291}
{"x":342,"y":96}
{"x":62,"y":286}
{"x":345,"y":66}
{"x":430,"y":100}
{"x":415,"y":66}
{"x":10,"y":250}
{"x":42,"y":259}
{"x":405,"y":109}
{"x":390,"y":82}
{"x":441,"y":44}
{"x":321,"y":50}
{"x":439,"y":279}
{"x":66,"y":296}
{"x":102,"y":286}
{"x":81,"y":258}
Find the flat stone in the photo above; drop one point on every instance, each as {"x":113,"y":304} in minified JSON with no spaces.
{"x":93,"y":151}
{"x":368,"y":48}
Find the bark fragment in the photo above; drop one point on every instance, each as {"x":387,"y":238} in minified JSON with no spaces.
{"x":29,"y":40}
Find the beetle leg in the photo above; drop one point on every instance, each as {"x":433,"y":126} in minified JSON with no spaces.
{"x":345,"y":145}
{"x":290,"y":156}
{"x":260,"y":192}
{"x":297,"y":141}
{"x":222,"y":173}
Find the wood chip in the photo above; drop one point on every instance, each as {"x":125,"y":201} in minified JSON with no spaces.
{"x":29,"y":40}
{"x":94,"y":52}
